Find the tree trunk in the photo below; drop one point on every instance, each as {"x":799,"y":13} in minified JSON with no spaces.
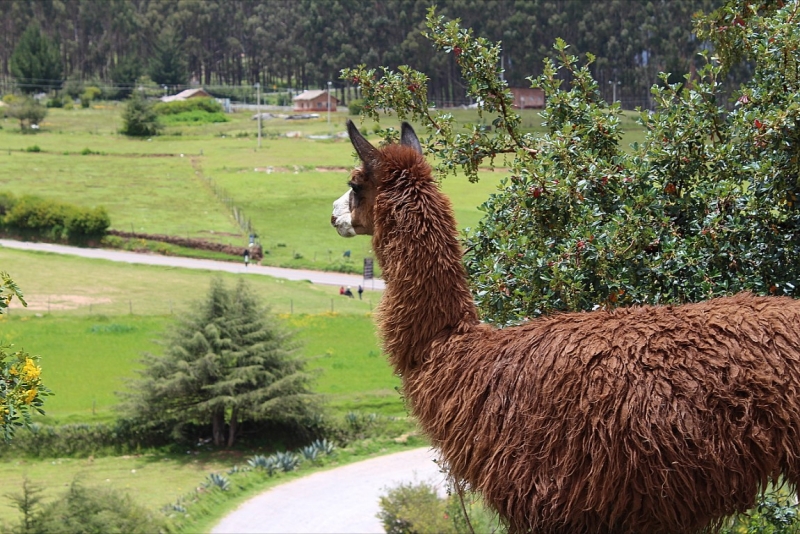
{"x":233,"y":427}
{"x":218,"y":427}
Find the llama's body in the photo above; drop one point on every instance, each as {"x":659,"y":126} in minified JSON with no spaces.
{"x":646,"y":419}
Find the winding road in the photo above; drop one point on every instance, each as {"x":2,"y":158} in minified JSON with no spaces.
{"x":316,"y":277}
{"x":343,"y":500}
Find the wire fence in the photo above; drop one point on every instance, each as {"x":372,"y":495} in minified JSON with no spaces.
{"x":40,"y":305}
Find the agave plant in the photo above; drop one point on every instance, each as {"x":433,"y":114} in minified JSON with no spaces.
{"x":267,"y":463}
{"x":287,"y":461}
{"x":325,"y":446}
{"x":310,"y":452}
{"x":215,"y":480}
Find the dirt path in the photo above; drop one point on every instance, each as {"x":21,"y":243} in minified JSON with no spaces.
{"x":317,"y":277}
{"x":343,"y":500}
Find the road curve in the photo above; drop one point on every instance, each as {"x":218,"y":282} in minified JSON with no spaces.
{"x":316,"y":277}
{"x":342,"y":500}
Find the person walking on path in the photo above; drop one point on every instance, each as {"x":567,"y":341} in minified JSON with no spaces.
{"x":360,"y":291}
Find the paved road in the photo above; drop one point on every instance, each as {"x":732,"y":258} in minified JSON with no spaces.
{"x":343,"y":500}
{"x":317,"y":277}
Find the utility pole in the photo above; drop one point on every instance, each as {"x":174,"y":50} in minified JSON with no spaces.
{"x":258,"y":111}
{"x":329,"y":106}
{"x":614,"y":85}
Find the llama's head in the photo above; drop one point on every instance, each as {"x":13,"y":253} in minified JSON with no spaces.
{"x":353,"y":211}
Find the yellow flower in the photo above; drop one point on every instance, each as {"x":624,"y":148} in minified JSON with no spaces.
{"x":13,"y":371}
{"x":31,"y":371}
{"x":30,"y":395}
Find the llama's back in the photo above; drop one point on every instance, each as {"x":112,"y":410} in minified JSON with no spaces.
{"x":651,"y":419}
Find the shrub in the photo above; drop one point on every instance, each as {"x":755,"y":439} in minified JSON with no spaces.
{"x":776,"y":512}
{"x":706,"y":206}
{"x":28,"y":111}
{"x":41,"y":216}
{"x":7,"y":201}
{"x":208,"y":105}
{"x":194,"y":117}
{"x":84,"y":510}
{"x":139,"y":119}
{"x":55,"y":220}
{"x":356,"y":106}
{"x":414,"y":509}
{"x":89,"y":94}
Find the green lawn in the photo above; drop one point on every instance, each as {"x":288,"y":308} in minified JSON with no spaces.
{"x":152,"y":480}
{"x":90,"y":342}
{"x":167,"y":184}
{"x":81,"y":286}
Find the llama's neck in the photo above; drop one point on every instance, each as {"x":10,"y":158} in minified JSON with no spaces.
{"x":416,"y":242}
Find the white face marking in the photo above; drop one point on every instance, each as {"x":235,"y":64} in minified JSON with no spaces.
{"x":341,"y":219}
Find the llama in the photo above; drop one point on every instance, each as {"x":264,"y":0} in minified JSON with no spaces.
{"x":649,"y":419}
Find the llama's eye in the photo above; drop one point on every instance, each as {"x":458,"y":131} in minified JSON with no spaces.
{"x":355,"y":187}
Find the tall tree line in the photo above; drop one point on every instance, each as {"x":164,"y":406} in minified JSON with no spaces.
{"x":304,"y":43}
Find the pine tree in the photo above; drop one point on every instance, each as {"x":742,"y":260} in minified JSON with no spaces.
{"x":168,"y":63}
{"x":124,"y":75}
{"x":35,"y":62}
{"x":229,"y":362}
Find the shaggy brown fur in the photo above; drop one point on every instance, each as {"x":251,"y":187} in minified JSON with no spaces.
{"x":645,"y":419}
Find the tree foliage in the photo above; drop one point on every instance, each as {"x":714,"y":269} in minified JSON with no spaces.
{"x":82,"y":510}
{"x":27,"y":111}
{"x":36,"y":62}
{"x":705,"y":206}
{"x":21,"y":389}
{"x":226,"y":364}
{"x":167,"y":63}
{"x":139,"y":118}
{"x":305,"y":43}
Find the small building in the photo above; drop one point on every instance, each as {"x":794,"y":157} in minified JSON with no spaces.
{"x":527,"y":97}
{"x":314,"y":101}
{"x":186,"y":95}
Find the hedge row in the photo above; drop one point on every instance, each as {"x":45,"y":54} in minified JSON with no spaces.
{"x":256,"y":252}
{"x":38,"y":217}
{"x":209,"y":105}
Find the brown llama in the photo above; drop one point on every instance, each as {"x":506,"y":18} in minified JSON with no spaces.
{"x":646,"y":419}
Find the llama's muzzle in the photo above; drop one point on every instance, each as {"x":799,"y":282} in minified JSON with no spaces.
{"x":342,"y":218}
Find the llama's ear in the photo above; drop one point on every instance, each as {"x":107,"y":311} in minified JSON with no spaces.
{"x":409,"y":138}
{"x":366,"y":152}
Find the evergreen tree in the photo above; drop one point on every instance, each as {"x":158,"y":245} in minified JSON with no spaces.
{"x":124,"y":75}
{"x":139,"y":119}
{"x":229,"y":362}
{"x":35,"y":62}
{"x":168,"y":63}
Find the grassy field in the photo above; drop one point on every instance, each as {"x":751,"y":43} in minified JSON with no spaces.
{"x":175,"y":183}
{"x":80,"y":286}
{"x":90,"y":342}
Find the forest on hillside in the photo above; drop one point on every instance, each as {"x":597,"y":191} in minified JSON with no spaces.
{"x":303,"y":44}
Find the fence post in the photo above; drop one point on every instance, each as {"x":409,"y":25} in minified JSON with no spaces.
{"x":331,"y":305}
